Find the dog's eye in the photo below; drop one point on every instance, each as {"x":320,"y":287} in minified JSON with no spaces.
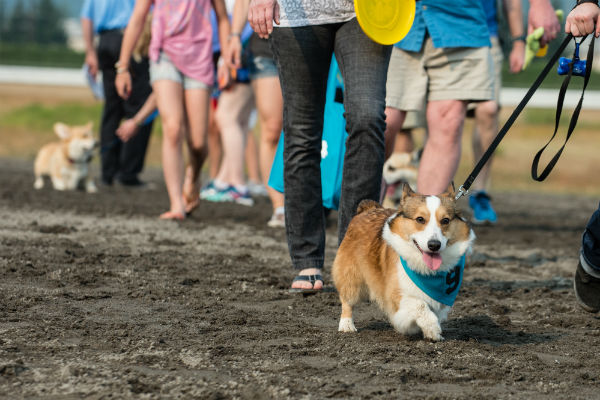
{"x":445,"y":221}
{"x":420,"y":220}
{"x":391,"y":168}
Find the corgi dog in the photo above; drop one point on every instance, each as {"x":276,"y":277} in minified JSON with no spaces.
{"x":67,"y":162}
{"x":398,"y":169}
{"x":408,"y":260}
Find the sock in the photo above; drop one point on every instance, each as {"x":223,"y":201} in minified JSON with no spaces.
{"x":588,"y":268}
{"x":280,"y":210}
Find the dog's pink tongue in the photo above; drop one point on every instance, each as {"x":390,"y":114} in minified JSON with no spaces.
{"x":433,"y":260}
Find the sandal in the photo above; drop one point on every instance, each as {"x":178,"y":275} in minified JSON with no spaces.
{"x":170,"y":215}
{"x":308,"y":278}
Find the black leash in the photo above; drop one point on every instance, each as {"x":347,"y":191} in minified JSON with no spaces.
{"x":464,"y":189}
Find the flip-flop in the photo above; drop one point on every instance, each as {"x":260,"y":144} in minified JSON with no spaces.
{"x":170,"y":215}
{"x":312,"y":279}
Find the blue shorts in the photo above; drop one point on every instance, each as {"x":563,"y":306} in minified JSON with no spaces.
{"x":262,"y":67}
{"x":164,"y":69}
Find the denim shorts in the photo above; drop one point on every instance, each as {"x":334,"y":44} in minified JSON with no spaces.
{"x":164,"y":69}
{"x":262,"y":67}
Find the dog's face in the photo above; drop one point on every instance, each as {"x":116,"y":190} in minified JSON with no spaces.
{"x":401,"y":167}
{"x":428,"y":231}
{"x":79,"y":141}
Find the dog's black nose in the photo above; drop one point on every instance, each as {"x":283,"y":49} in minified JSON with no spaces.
{"x":434,"y":245}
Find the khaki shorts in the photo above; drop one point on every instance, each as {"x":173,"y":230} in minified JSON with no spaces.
{"x":460,"y":73}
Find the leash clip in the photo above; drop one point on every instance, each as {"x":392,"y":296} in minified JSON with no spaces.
{"x":461,"y":192}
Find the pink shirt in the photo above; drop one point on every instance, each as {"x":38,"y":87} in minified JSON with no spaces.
{"x":182,"y":29}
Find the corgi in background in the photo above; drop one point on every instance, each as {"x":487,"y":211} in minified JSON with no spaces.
{"x":400,"y":168}
{"x":409,"y":260}
{"x":67,"y":162}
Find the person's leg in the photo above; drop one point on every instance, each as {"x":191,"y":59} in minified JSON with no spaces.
{"x":269,"y":103}
{"x":109,"y":47}
{"x":587,"y":276}
{"x":303,"y":56}
{"x":394,"y":119}
{"x":232,"y":115}
{"x":196,"y":114}
{"x":251,"y":155}
{"x":169,"y":97}
{"x":456,"y":76}
{"x":364,"y":66}
{"x":404,"y":142}
{"x":215,"y":150}
{"x":485,"y":129}
{"x":441,"y":155}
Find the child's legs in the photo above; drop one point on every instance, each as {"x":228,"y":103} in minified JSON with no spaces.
{"x":196,"y":107}
{"x":269,"y":103}
{"x":232,"y":115}
{"x":169,"y":96}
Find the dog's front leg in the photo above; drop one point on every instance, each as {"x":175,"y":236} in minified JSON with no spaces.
{"x":414,"y":314}
{"x":90,"y":186}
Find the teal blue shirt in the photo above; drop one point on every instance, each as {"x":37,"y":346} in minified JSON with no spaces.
{"x":457,"y":23}
{"x":442,"y":286}
{"x":107,"y":14}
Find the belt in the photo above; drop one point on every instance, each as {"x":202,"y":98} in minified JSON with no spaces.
{"x":114,"y":30}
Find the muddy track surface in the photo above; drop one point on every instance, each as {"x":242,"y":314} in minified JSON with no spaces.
{"x":99,"y":299}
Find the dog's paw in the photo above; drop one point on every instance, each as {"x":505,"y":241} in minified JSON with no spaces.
{"x":91,"y":188}
{"x":433,"y":333}
{"x":347,"y":325}
{"x":38,"y":184}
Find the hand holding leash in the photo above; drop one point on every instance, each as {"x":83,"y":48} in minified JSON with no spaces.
{"x":582,"y":18}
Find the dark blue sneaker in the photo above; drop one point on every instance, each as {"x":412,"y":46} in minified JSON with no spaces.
{"x":483,"y":213}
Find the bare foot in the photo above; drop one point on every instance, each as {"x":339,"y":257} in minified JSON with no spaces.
{"x":191,"y":190}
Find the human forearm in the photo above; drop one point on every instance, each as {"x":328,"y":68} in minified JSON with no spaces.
{"x":133,"y":31}
{"x":87,"y":28}
{"x":147,"y":109}
{"x":514,"y":17}
{"x":240,"y":16}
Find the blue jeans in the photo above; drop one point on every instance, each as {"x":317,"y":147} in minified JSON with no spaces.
{"x":303,"y":55}
{"x":590,"y":244}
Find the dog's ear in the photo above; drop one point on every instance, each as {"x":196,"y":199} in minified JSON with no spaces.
{"x":89,"y":126}
{"x":62,"y":130}
{"x":450,"y":191}
{"x":406,"y":191}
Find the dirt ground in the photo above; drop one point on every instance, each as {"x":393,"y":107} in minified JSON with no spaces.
{"x":99,"y":299}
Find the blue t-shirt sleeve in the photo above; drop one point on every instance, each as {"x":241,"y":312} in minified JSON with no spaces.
{"x":87,"y":11}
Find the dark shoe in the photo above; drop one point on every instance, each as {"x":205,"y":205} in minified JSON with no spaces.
{"x":587,"y":290}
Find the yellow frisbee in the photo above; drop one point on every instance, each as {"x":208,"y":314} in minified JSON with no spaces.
{"x":385,"y":21}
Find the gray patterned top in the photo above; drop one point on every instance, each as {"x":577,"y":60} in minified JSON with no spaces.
{"x":314,"y":12}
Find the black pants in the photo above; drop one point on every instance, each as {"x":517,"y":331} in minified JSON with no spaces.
{"x":303,"y":56}
{"x":123,"y":161}
{"x":590,"y":244}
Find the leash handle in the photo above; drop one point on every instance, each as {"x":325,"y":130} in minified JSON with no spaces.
{"x":559,"y":106}
{"x":464,"y":188}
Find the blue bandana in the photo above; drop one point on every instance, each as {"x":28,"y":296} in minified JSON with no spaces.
{"x":443,"y":286}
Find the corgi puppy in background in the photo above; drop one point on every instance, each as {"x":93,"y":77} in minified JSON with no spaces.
{"x":409,"y":260}
{"x":67,"y":162}
{"x":400,"y":168}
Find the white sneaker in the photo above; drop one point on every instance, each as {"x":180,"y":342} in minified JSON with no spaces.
{"x":257,"y":189}
{"x":277,"y":219}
